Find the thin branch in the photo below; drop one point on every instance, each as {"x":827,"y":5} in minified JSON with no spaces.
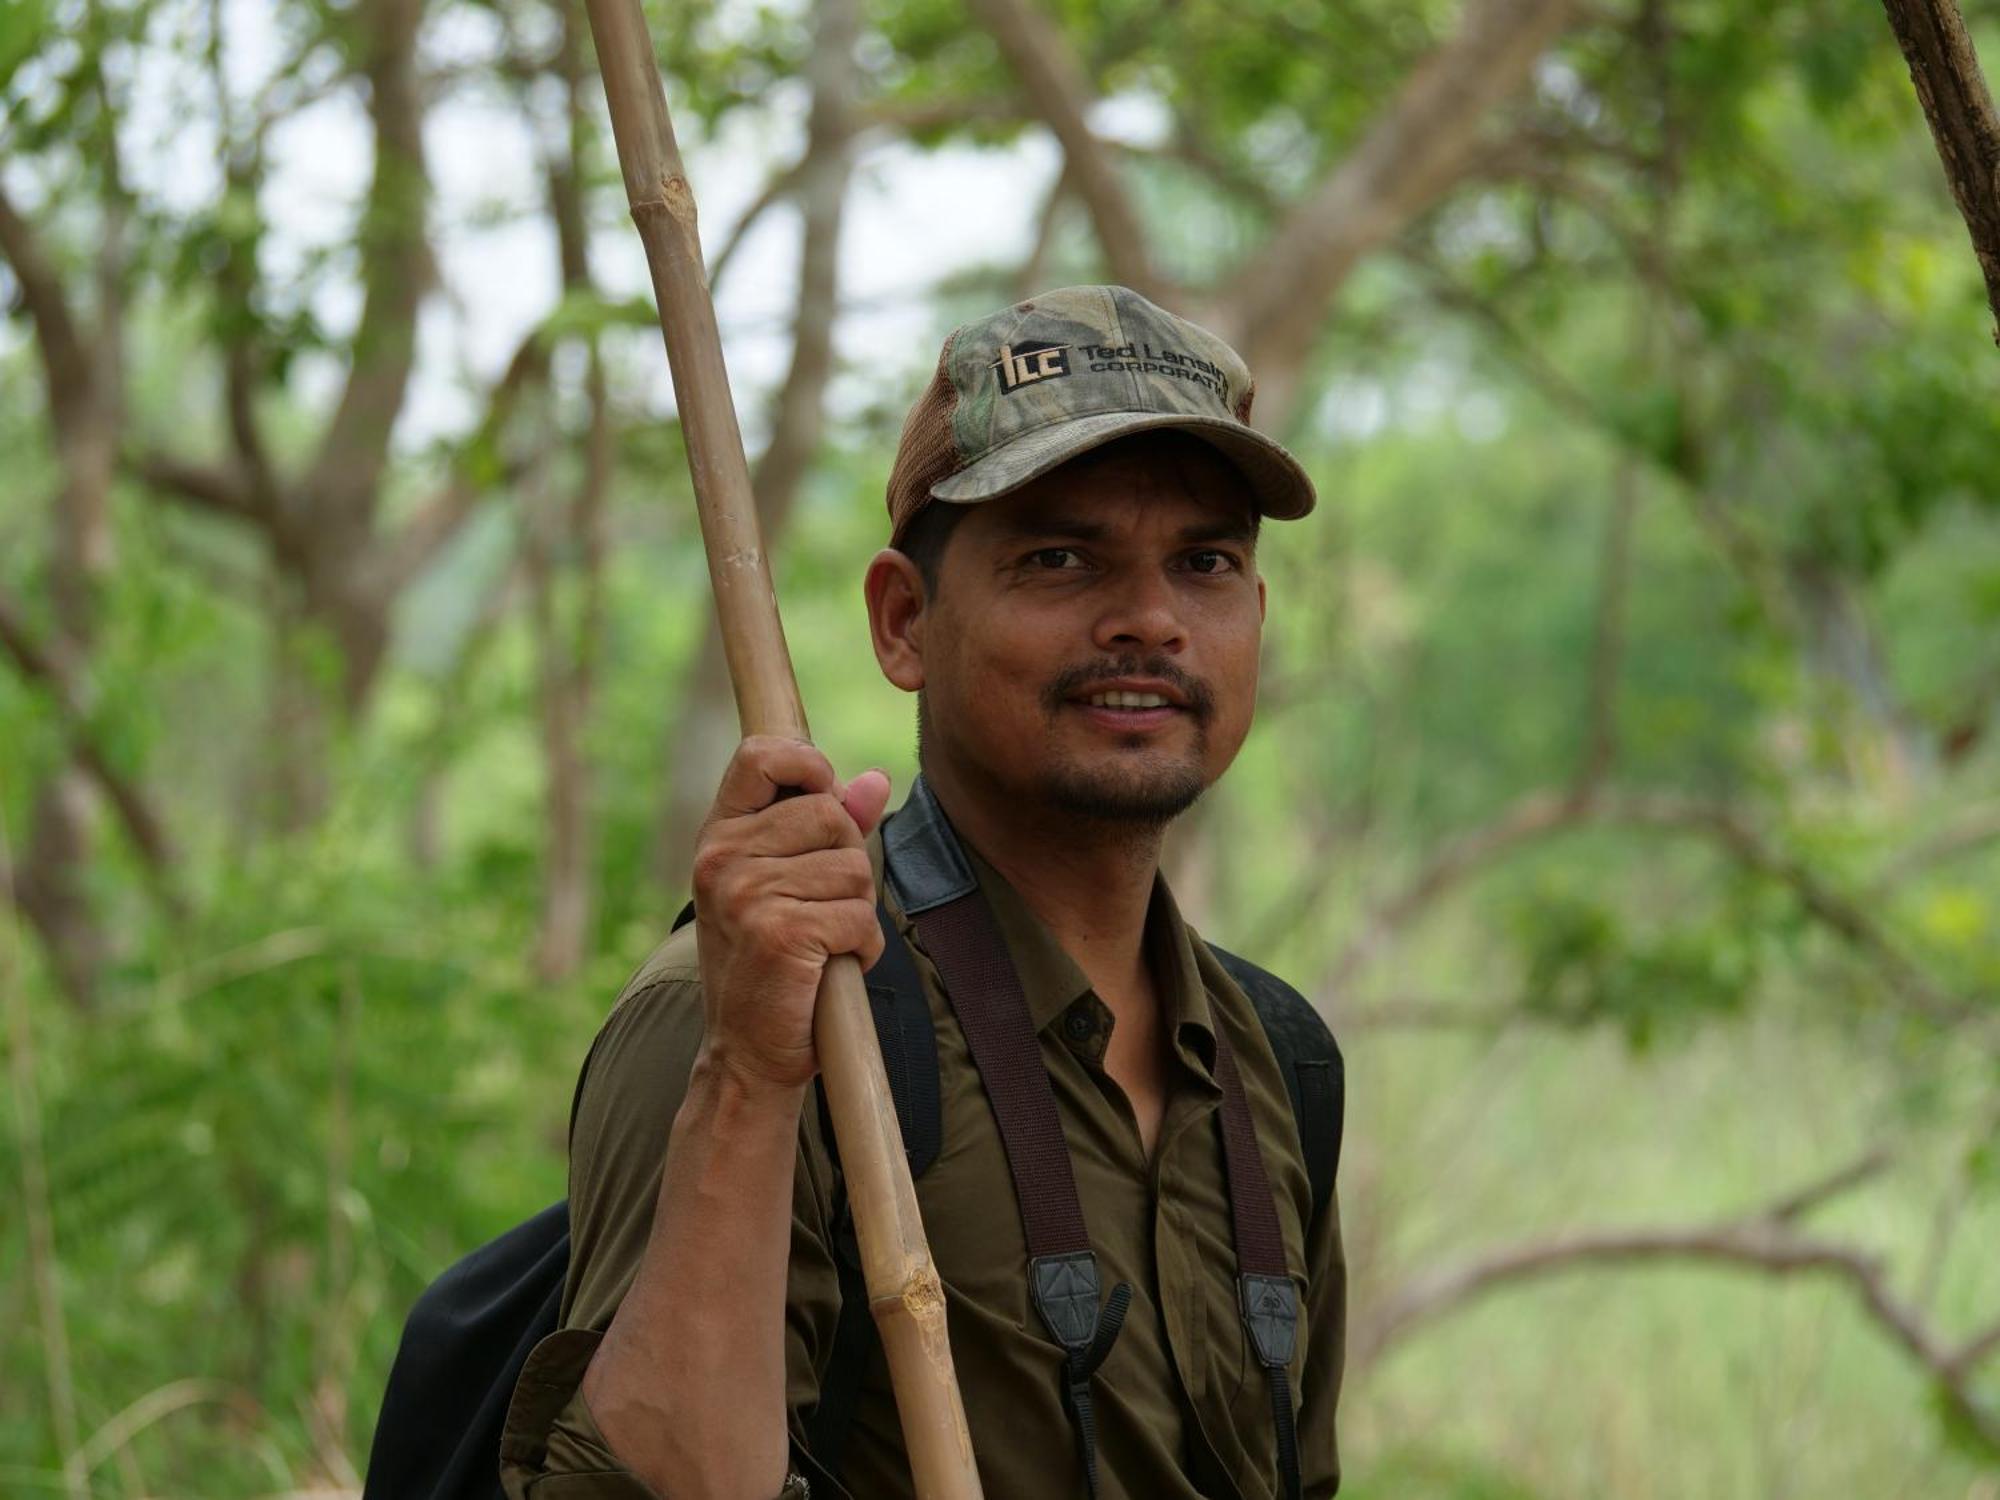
{"x":915,"y":116}
{"x":1540,"y":815}
{"x":438,"y":520}
{"x":65,"y":359}
{"x":1975,"y":830}
{"x":1028,"y":280}
{"x":47,"y":668}
{"x":1952,"y":89}
{"x":783,"y":184}
{"x":1054,"y":82}
{"x":1801,"y":1201}
{"x":1976,"y":1350}
{"x":1749,"y":557}
{"x":1761,"y":1241}
{"x":207,"y":487}
{"x":1415,"y":150}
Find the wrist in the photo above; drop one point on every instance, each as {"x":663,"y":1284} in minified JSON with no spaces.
{"x":726,"y":1081}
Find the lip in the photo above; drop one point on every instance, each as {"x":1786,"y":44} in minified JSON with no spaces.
{"x":1130,"y":720}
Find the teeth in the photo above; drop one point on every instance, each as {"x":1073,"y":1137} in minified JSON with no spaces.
{"x":1127,"y":700}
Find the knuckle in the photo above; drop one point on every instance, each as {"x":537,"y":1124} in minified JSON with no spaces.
{"x":712,"y":861}
{"x":834,"y":822}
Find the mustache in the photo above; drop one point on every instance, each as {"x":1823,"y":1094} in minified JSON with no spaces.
{"x":1072,"y":680}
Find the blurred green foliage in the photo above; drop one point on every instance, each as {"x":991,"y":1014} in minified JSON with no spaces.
{"x":1643,"y":880}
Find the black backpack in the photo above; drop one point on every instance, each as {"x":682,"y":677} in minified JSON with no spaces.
{"x":470,"y":1333}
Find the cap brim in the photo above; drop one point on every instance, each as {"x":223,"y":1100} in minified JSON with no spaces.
{"x":1283,"y":491}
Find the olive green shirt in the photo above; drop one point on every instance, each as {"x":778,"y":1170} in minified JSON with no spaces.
{"x":1183,"y":1408}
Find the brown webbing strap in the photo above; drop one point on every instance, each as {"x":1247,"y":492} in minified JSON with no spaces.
{"x":1268,"y":1296}
{"x":1260,"y":1243}
{"x":979,"y":979}
{"x":985,"y":993}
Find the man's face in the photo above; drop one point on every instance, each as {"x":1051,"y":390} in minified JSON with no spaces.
{"x":1134,"y":562}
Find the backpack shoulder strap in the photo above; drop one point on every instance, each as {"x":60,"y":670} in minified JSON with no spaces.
{"x":902,"y":1019}
{"x":903,"y":1027}
{"x":1315,"y":1075}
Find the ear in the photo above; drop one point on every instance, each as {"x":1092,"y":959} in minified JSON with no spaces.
{"x":1260,"y":598}
{"x":894,"y":590}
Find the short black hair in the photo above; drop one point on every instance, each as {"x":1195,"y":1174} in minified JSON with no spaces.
{"x":924,"y":540}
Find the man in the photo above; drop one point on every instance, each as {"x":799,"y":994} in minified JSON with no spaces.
{"x":1071,"y":591}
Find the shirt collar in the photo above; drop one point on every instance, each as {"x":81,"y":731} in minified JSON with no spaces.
{"x":929,"y":863}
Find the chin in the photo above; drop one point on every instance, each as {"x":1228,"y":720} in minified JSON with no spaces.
{"x":1147,"y":797}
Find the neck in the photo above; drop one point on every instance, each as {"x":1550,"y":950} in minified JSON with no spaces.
{"x":1090,"y":884}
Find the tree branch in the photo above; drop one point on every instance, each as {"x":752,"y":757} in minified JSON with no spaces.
{"x":782,"y":185}
{"x":47,"y":668}
{"x":438,"y":520}
{"x":208,"y":487}
{"x":1760,"y":1241}
{"x":1979,"y":827}
{"x":1952,"y":89}
{"x":1542,"y":814}
{"x":914,"y":116}
{"x":821,"y":188}
{"x":396,"y":268}
{"x":1418,"y":147}
{"x":1054,"y":82}
{"x":1028,"y":280}
{"x":65,"y":358}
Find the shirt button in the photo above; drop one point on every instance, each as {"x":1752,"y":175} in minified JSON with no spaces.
{"x":1079,"y":1025}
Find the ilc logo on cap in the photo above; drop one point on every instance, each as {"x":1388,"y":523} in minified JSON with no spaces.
{"x":1024,"y":364}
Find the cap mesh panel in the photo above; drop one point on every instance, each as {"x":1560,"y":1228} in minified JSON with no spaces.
{"x":927,"y":451}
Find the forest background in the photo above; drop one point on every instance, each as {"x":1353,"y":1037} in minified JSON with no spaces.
{"x":1625,"y":786}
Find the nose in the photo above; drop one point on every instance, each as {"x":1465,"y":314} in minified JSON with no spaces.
{"x":1142,"y":613}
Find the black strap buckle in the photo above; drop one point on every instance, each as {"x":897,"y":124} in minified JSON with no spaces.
{"x":1271,"y":1314}
{"x":1066,"y":1295}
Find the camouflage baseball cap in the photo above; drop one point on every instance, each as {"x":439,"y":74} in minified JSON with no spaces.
{"x":1028,"y":388}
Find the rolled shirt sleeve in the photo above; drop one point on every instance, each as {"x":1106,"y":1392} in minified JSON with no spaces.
{"x":632,"y":1088}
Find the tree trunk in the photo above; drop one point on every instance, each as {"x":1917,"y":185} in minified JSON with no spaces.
{"x":1415,"y":151}
{"x":704,"y":733}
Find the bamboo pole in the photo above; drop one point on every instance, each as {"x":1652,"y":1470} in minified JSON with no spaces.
{"x":904,"y":1293}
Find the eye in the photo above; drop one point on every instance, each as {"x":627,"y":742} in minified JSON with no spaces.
{"x":1226,"y":561}
{"x":1041,"y":555}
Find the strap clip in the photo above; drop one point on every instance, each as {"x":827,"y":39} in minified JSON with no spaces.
{"x":1271,"y":1314}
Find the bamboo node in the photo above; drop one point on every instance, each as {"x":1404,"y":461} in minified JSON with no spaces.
{"x":679,"y":199}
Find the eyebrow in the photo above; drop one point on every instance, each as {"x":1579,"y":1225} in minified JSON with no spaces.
{"x":1235,"y":529}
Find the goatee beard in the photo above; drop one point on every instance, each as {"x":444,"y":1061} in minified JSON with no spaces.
{"x":1136,"y":803}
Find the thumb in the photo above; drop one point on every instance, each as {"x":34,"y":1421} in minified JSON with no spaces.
{"x":867,"y":797}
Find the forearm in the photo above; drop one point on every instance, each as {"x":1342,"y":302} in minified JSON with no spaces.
{"x":688,"y":1386}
